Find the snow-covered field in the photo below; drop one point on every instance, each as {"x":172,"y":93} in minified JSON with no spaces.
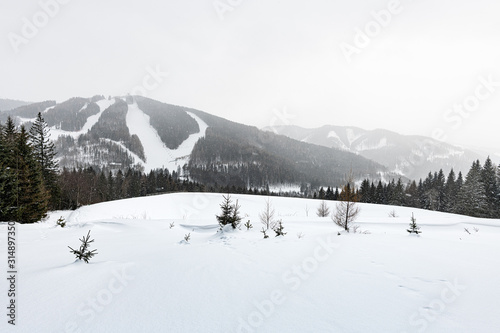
{"x":146,"y":279}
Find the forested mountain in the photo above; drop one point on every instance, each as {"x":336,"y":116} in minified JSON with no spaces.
{"x":9,"y":104}
{"x":410,"y":156}
{"x":111,"y":133}
{"x":250,"y":156}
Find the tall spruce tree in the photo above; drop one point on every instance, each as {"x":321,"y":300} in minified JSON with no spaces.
{"x":32,"y":198}
{"x":472,"y":196}
{"x":45,"y":154}
{"x":450,"y":192}
{"x":489,"y":180}
{"x":439,"y":185}
{"x":8,"y":179}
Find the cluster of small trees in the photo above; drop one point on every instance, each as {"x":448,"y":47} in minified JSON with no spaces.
{"x":230,"y":214}
{"x":87,"y":186}
{"x":28,"y":172}
{"x":477,"y":195}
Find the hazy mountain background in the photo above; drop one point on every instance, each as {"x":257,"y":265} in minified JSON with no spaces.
{"x":408,"y":155}
{"x":99,"y":132}
{"x":8,"y":104}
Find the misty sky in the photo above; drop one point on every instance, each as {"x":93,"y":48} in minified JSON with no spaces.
{"x":412,"y":66}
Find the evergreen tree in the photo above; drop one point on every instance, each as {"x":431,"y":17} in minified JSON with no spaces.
{"x":322,"y":193}
{"x":336,"y":194}
{"x":45,"y":154}
{"x":450,"y":193}
{"x":397,"y":195}
{"x":379,"y":196}
{"x":8,"y":177}
{"x":364,"y":191}
{"x":472,"y":199}
{"x":439,"y":185}
{"x":329,"y":194}
{"x":411,"y":193}
{"x":414,"y":229}
{"x":32,"y":198}
{"x":489,"y":180}
{"x":229,"y":214}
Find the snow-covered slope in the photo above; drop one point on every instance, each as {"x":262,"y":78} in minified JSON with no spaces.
{"x":91,"y":121}
{"x":146,"y":279}
{"x":158,"y":155}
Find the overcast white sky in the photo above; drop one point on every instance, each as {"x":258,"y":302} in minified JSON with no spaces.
{"x":270,"y":62}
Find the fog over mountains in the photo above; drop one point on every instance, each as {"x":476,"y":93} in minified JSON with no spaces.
{"x":408,"y":155}
{"x":136,"y":132}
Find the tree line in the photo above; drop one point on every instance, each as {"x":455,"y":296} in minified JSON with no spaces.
{"x":31,"y":183}
{"x":28,"y":172}
{"x":477,"y":195}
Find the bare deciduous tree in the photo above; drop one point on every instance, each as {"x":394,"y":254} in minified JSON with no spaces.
{"x":347,"y":210}
{"x":323,"y":209}
{"x":267,"y":216}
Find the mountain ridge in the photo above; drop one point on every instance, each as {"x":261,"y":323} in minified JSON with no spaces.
{"x":412,"y":156}
{"x":105,"y":134}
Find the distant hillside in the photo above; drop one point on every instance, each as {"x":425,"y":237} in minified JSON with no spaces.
{"x":248,"y":154}
{"x":141,"y":133}
{"x":9,"y":104}
{"x":411,"y":156}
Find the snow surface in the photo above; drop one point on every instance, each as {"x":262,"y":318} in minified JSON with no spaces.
{"x":91,"y":121}
{"x":352,"y":136}
{"x":146,"y":278}
{"x":158,"y":155}
{"x":366,"y":145}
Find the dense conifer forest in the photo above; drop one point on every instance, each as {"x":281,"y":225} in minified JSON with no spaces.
{"x":31,"y":182}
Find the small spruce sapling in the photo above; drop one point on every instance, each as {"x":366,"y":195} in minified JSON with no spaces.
{"x":413,"y":226}
{"x":61,"y":222}
{"x":230,"y":213}
{"x":279,"y":229}
{"x":264,"y":232}
{"x":187,"y":237}
{"x":171,"y":225}
{"x":84,"y":253}
{"x":248,"y":225}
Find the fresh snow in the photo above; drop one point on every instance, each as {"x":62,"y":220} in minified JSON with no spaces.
{"x":158,"y":155}
{"x":352,"y":136}
{"x":366,"y":145}
{"x":145,"y":278}
{"x":91,"y":121}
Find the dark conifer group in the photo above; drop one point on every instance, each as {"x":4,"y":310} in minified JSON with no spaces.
{"x":477,"y":195}
{"x":28,"y":172}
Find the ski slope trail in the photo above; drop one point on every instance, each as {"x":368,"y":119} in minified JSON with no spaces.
{"x":158,"y":155}
{"x":91,"y":121}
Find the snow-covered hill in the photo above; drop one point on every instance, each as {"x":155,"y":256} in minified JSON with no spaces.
{"x":158,"y":155}
{"x":146,"y":279}
{"x":135,"y":132}
{"x":410,"y":156}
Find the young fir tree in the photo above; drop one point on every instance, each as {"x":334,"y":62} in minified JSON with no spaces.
{"x":83,"y":253}
{"x":45,"y":154}
{"x":414,"y":229}
{"x":229,"y":214}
